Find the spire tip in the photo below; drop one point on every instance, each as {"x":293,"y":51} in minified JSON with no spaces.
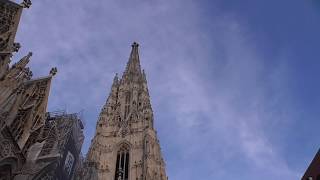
{"x":135,"y":44}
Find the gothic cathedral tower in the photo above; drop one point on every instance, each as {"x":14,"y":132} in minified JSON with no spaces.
{"x":125,"y":145}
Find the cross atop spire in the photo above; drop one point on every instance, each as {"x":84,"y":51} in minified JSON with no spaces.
{"x":133,"y":65}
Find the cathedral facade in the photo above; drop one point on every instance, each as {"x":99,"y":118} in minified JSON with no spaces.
{"x":125,"y":145}
{"x":34,"y":144}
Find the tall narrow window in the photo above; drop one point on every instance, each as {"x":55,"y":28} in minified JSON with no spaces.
{"x":127,"y":106}
{"x":122,"y":164}
{"x":127,"y":97}
{"x":126,"y":111}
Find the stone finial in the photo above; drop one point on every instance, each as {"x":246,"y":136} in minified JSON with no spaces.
{"x":16,"y":47}
{"x":53,"y":71}
{"x":26,"y":3}
{"x":29,"y":55}
{"x":28,"y":73}
{"x":21,"y":89}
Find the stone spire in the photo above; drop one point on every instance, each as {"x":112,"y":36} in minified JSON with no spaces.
{"x":125,"y":145}
{"x":24,"y":61}
{"x":19,"y":68}
{"x":112,"y":98}
{"x":133,"y":66}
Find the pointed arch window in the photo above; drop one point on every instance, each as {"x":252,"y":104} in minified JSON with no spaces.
{"x":122,"y":164}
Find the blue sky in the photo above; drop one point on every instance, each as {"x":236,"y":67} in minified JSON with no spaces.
{"x":233,"y":84}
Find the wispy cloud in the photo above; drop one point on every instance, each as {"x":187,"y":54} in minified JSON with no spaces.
{"x":221,"y":115}
{"x":209,"y":85}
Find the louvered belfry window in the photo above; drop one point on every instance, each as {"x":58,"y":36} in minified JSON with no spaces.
{"x":122,"y":164}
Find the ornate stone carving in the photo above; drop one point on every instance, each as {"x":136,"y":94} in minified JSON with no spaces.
{"x":4,"y":41}
{"x":26,"y":3}
{"x":16,"y":47}
{"x":47,"y":176}
{"x":8,"y":23}
{"x":27,"y":73}
{"x":53,"y":71}
{"x":5,"y":149}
